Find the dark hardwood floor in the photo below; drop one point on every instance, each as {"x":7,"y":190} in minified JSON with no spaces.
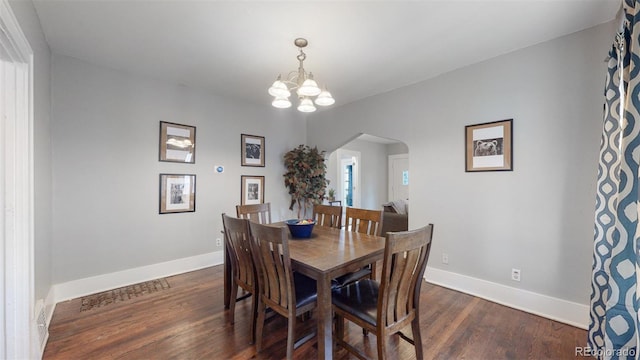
{"x":188,"y":321}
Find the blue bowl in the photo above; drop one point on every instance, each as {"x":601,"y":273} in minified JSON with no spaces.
{"x":301,"y":231}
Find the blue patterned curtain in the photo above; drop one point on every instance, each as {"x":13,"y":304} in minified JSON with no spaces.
{"x":613,"y":329}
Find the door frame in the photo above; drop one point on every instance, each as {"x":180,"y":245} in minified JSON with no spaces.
{"x":19,"y":330}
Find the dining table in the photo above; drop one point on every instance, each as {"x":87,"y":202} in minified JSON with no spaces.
{"x":327,"y":254}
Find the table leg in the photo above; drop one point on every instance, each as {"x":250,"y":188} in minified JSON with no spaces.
{"x":227,"y":277}
{"x":325,"y":321}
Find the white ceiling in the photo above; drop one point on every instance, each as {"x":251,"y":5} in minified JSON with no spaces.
{"x":357,"y":49}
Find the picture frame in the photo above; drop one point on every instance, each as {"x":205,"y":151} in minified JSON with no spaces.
{"x":252,"y":149}
{"x":489,"y":146}
{"x":252,"y":189}
{"x":177,"y":193}
{"x":177,"y":143}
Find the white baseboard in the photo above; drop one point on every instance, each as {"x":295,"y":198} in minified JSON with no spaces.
{"x":564,"y":311}
{"x":95,"y":284}
{"x":546,"y":306}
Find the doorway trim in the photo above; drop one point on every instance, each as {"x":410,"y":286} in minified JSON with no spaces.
{"x":19,"y":331}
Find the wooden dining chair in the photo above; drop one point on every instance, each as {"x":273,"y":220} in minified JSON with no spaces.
{"x":330,"y":216}
{"x":386,"y":307}
{"x":238,"y":242}
{"x":260,"y":213}
{"x":367,"y":222}
{"x":363,"y":221}
{"x":286,"y":292}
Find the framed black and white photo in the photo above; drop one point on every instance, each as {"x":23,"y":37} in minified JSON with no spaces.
{"x":489,"y":146}
{"x":177,"y":143}
{"x":177,"y":193}
{"x":252,"y":150}
{"x":252,"y":190}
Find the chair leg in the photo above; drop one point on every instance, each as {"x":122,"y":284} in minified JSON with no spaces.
{"x":254,"y":313}
{"x":260,"y":324}
{"x":232,"y":301}
{"x":339,"y":327}
{"x":417,"y":338}
{"x":382,"y":345}
{"x":291,"y":336}
{"x":373,"y":271}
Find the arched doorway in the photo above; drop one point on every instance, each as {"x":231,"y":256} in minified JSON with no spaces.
{"x":359,"y":170}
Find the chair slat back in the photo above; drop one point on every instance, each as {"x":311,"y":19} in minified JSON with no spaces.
{"x":364,"y":221}
{"x":238,"y":241}
{"x":330,"y":216}
{"x":260,"y":213}
{"x":405,"y":258}
{"x":271,"y":255}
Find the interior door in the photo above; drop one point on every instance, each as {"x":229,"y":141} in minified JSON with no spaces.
{"x":398,"y":177}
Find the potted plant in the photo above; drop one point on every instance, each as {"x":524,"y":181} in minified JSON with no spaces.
{"x":305,"y":177}
{"x":332,"y":194}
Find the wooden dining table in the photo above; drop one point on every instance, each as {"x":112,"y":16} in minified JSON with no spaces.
{"x":329,"y":253}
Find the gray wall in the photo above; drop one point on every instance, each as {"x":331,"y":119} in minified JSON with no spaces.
{"x":105,"y":167}
{"x":538,"y":218}
{"x":397,"y":149}
{"x":30,"y":25}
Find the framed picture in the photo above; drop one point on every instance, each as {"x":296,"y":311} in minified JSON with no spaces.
{"x":252,"y":190}
{"x":177,"y":193}
{"x":177,"y":143}
{"x":489,"y":146}
{"x":252,"y":150}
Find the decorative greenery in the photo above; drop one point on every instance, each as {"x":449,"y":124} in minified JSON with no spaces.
{"x":332,"y":194}
{"x":305,"y":177}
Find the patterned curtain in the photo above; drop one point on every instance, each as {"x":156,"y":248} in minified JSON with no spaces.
{"x":613,"y":329}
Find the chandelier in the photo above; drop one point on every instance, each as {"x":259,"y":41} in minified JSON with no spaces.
{"x":302,"y":82}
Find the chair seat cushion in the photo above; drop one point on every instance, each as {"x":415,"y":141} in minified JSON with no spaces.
{"x":359,"y":299}
{"x":349,"y":278}
{"x":306,"y":291}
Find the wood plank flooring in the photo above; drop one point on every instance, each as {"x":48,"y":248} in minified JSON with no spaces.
{"x":189,"y":321}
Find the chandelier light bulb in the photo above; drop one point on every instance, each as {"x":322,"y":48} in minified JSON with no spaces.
{"x":309,"y":88}
{"x":306,"y":105}
{"x":281,"y":103}
{"x":325,"y":99}
{"x":279,"y":89}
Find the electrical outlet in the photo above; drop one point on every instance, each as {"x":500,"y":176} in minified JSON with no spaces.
{"x":218,"y":242}
{"x":445,"y":258}
{"x":515,"y":274}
